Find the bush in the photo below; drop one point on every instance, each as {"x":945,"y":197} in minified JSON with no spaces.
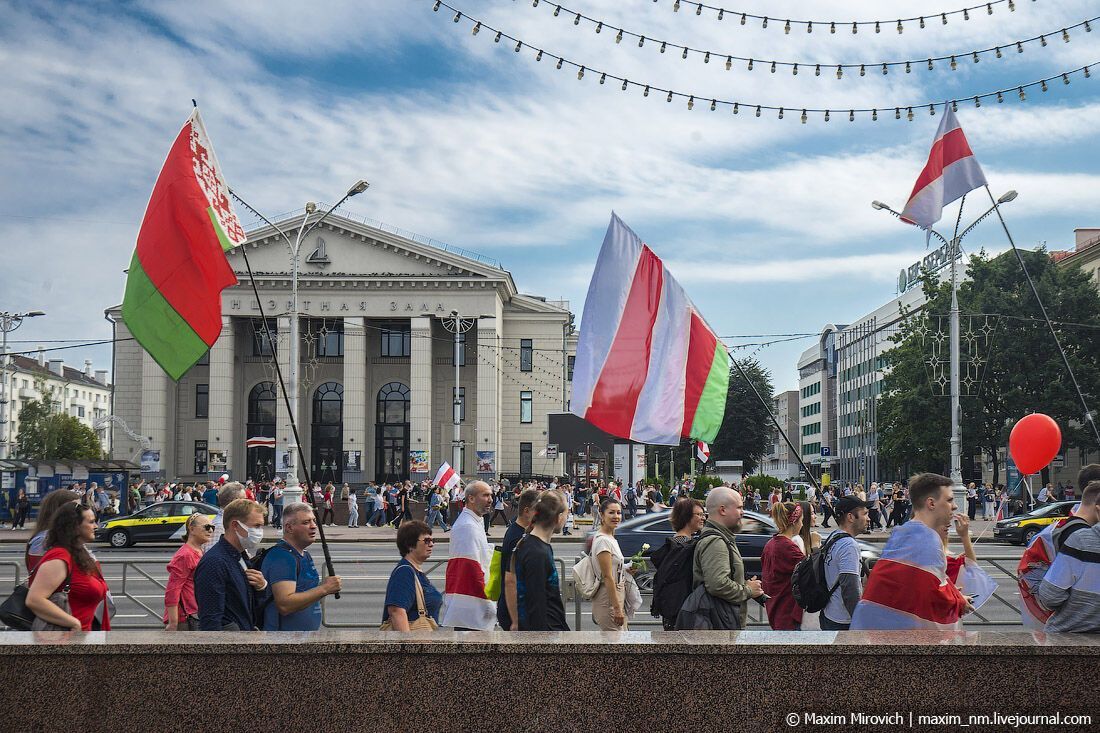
{"x":703,"y":484}
{"x":763,"y":484}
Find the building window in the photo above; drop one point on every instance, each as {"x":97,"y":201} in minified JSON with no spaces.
{"x":261,"y":344}
{"x":525,"y":459}
{"x":200,"y":456}
{"x":458,"y":395}
{"x":572,"y":360}
{"x":459,"y":352}
{"x":202,"y":400}
{"x":396,"y":341}
{"x":329,"y":337}
{"x":526,"y":355}
{"x":79,"y":411}
{"x":204,"y":360}
{"x":526,"y":407}
{"x":393,"y":404}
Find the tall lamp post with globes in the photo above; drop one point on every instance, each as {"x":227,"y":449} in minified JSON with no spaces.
{"x":8,"y":323}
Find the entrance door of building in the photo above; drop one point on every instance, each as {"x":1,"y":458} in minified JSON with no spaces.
{"x":327,"y":439}
{"x":392,"y":434}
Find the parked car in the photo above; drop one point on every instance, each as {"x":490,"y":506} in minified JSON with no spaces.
{"x":1021,"y":529}
{"x":756,"y":530}
{"x":160,"y":522}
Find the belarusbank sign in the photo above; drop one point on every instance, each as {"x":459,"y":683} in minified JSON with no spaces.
{"x":933,"y":261}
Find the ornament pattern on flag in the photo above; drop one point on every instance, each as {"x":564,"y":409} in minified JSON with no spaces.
{"x":208,"y":173}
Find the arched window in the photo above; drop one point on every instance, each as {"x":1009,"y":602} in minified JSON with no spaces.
{"x":261,"y":404}
{"x":328,"y":404}
{"x":393,"y":404}
{"x":261,"y":424}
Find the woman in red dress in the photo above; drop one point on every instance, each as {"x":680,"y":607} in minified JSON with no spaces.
{"x":67,"y":560}
{"x":777,"y":563}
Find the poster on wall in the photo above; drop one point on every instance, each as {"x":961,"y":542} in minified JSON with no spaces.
{"x":639,"y":463}
{"x":150,"y":461}
{"x":282,"y":459}
{"x":486,"y":461}
{"x":353,"y":460}
{"x":621,"y":471}
{"x":418,"y":461}
{"x":217,"y":460}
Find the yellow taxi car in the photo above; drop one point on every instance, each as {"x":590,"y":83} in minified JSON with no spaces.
{"x":160,"y":522}
{"x":1021,"y":529}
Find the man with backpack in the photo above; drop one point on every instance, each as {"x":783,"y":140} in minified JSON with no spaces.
{"x":717,"y":565}
{"x":842,"y":564}
{"x":672,"y":583}
{"x":296,"y":586}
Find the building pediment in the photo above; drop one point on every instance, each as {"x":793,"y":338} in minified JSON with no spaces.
{"x":347,"y":249}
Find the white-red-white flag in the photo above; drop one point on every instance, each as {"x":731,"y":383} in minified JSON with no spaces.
{"x":702,"y":450}
{"x":446,"y":477}
{"x":951,"y":172}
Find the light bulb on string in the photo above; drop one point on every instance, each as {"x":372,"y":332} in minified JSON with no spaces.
{"x":839,"y":72}
{"x":832,"y":27}
{"x":599,"y":26}
{"x":874,"y":115}
{"x":922,"y":22}
{"x":1023,"y":97}
{"x":721,"y":13}
{"x":817,"y":70}
{"x":685,"y":54}
{"x":1065,"y":78}
{"x":669,"y":97}
{"x":954,"y":106}
{"x":603,"y":77}
{"x":743,"y":18}
{"x":803,"y":117}
{"x":954,"y":64}
{"x":641,"y":41}
{"x":765,"y":25}
{"x":758,"y":110}
{"x":496,"y":38}
{"x":977,"y":101}
{"x":1088,"y":28}
{"x":557,"y":10}
{"x":998,"y":52}
{"x":773,"y":67}
{"x":930,"y":66}
{"x":1065,"y":35}
{"x":625,"y":84}
{"x":989,"y":8}
{"x":855,"y":28}
{"x":826,"y":115}
{"x":699,"y":9}
{"x":1043,"y":41}
{"x":966,"y":14}
{"x":932,"y":110}
{"x":750,"y":64}
{"x":885,"y":70}
{"x":619,"y":36}
{"x":676,"y":6}
{"x":780,"y":113}
{"x":519,"y":45}
{"x":577,"y":20}
{"x":976,"y":57}
{"x":1087,"y":74}
{"x":534,"y":3}
{"x":862,"y":70}
{"x":736,"y":107}
{"x":713,"y":104}
{"x":580,"y":74}
{"x":908,"y":68}
{"x":664,"y":44}
{"x":787,"y":27}
{"x":458,"y":17}
{"x":645,"y":93}
{"x":435,"y":6}
{"x":706,"y":58}
{"x":729,"y":63}
{"x":560,"y":60}
{"x":851,"y":115}
{"x":909,"y":114}
{"x":901,"y":29}
{"x":810,"y":27}
{"x":1000,"y":98}
{"x":897,"y":113}
{"x":1043,"y":85}
{"x":477,"y":27}
{"x":539,"y":56}
{"x":944,"y":17}
{"x":878,"y":28}
{"x":691,"y":102}
{"x":1011,"y":6}
{"x":794,"y":70}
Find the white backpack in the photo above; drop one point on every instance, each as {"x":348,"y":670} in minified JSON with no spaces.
{"x":585,"y":578}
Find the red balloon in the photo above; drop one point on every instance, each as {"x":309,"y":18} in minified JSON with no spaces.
{"x":1034,"y":442}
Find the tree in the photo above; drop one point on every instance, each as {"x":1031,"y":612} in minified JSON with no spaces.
{"x":1023,"y":372}
{"x":46,"y":435}
{"x":746,"y":431}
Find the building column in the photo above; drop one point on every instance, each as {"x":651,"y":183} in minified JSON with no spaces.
{"x":283,"y":433}
{"x":420,"y":398}
{"x":221,"y":432}
{"x":488,"y":395}
{"x":355,"y":395}
{"x":155,"y":387}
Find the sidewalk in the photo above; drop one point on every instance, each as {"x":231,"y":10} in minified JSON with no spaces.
{"x":982,"y":531}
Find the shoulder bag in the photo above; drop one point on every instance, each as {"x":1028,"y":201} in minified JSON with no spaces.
{"x":423,"y":622}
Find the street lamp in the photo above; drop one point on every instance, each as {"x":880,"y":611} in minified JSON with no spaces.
{"x":8,"y":323}
{"x":293,"y":492}
{"x":954,"y":249}
{"x":456,"y":324}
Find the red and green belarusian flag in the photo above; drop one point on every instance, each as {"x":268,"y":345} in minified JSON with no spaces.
{"x":173,"y":304}
{"x":648,"y":366}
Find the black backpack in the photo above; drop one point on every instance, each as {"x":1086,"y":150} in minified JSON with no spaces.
{"x":672,"y":582}
{"x":811,"y":591}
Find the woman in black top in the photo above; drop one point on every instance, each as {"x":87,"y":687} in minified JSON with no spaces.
{"x":538,"y":587}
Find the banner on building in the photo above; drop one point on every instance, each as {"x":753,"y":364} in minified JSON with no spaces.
{"x":218,"y":460}
{"x":486,"y":461}
{"x":353,"y":460}
{"x":150,"y":461}
{"x":419,"y":461}
{"x":80,"y":473}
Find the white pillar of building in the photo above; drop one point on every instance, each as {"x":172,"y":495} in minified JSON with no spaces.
{"x":155,"y":389}
{"x":355,"y":394}
{"x":420,"y":388}
{"x":222,"y":399}
{"x":283,"y":435}
{"x":488,"y":391}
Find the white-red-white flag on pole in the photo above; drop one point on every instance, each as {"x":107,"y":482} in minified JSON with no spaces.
{"x":702,"y":450}
{"x":446,"y":477}
{"x":951,"y":172}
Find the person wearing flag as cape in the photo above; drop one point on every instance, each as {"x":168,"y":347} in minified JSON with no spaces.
{"x":466,"y":607}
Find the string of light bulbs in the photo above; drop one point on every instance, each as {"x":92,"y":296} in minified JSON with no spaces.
{"x":906,"y":109}
{"x":816,"y":67}
{"x":922,"y":21}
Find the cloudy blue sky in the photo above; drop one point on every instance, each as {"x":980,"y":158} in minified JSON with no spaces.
{"x":765,"y":221}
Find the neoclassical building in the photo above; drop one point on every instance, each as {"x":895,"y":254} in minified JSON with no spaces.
{"x":376,"y":371}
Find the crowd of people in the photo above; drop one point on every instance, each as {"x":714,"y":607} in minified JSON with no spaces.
{"x":223,"y":578}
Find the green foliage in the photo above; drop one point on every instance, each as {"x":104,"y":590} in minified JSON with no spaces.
{"x":746,"y":431}
{"x":703,"y":484}
{"x":1024,"y":372}
{"x":46,"y":435}
{"x":763,"y":483}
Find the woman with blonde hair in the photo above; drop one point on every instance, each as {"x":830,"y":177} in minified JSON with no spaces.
{"x":181,"y":610}
{"x":777,"y":563}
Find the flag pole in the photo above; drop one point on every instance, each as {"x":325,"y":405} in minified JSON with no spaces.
{"x":282,"y":384}
{"x":775,"y":421}
{"x":1054,"y":334}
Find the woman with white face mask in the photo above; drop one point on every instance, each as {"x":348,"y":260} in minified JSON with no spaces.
{"x":229,"y":592}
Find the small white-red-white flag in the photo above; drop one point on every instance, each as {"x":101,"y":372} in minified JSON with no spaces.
{"x":702,"y":450}
{"x":446,"y":477}
{"x":951,"y":172}
{"x":259,"y":442}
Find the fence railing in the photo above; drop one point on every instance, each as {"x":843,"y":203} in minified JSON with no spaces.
{"x":137,"y":586}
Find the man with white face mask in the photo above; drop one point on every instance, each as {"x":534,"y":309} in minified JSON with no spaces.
{"x":229,"y":593}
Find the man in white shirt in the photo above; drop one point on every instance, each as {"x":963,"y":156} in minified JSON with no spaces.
{"x":465,"y":606}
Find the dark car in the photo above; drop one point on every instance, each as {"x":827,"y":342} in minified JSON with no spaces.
{"x":756,"y":529}
{"x":160,"y":522}
{"x":1021,"y":529}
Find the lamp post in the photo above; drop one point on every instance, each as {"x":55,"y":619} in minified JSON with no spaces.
{"x":293,"y":492}
{"x":8,"y":323}
{"x":954,"y":249}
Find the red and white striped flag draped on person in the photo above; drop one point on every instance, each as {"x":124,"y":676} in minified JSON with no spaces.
{"x":951,"y":172}
{"x":648,"y":367}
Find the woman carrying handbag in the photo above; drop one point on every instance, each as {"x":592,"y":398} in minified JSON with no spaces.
{"x":412,"y":602}
{"x":68,"y":591}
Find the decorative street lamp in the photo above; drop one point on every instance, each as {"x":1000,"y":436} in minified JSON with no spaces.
{"x":8,"y":323}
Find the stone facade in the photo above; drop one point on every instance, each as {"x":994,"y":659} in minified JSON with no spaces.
{"x":376,"y":379}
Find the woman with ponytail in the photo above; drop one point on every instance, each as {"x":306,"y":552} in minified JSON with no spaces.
{"x":538,"y":587}
{"x":777,"y":562}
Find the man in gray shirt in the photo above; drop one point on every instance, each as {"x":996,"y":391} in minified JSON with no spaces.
{"x":843,"y":565}
{"x":1071,"y":587}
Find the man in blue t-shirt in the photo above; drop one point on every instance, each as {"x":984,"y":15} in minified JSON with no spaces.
{"x":296,"y":586}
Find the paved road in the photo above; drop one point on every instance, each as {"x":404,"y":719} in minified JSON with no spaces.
{"x":137,"y":576}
